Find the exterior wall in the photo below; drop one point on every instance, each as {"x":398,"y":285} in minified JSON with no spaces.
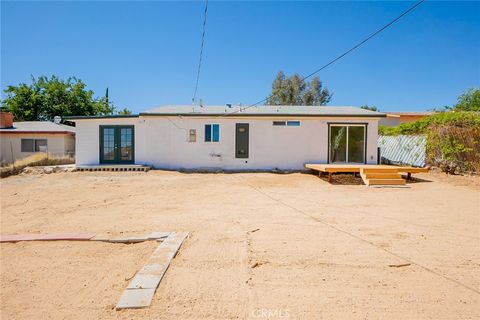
{"x":395,"y":121}
{"x":162,"y":142}
{"x":88,"y":139}
{"x":389,"y":121}
{"x":11,"y":143}
{"x":410,"y":118}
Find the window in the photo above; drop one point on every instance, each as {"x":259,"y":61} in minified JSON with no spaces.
{"x":40,"y":145}
{"x":212,"y":132}
{"x":287,"y":123}
{"x":34,"y":145}
{"x":27,"y":145}
{"x":293,"y":123}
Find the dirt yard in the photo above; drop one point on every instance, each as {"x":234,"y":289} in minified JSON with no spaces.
{"x":261,"y":246}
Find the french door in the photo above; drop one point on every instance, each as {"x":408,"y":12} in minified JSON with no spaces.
{"x":117,"y":144}
{"x":347,"y":143}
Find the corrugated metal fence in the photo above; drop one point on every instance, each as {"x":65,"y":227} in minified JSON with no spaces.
{"x":406,"y":150}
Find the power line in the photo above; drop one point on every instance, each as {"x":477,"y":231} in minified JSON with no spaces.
{"x":343,"y":54}
{"x":201,"y":51}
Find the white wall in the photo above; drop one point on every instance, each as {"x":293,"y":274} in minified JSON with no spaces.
{"x":163,"y":142}
{"x":87,"y":142}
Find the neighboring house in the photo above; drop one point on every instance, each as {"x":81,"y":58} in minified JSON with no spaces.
{"x":231,"y":138}
{"x":22,"y":139}
{"x":395,"y":118}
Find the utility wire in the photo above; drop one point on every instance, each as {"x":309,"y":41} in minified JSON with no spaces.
{"x":201,"y":51}
{"x":343,"y":54}
{"x":306,"y":214}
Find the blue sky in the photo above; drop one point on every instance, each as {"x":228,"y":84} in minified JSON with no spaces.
{"x":146,"y":53}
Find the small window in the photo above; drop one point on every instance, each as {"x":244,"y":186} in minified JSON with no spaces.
{"x":293,"y":123}
{"x":27,"y":145}
{"x":40,"y":145}
{"x":212,"y":132}
{"x":278,"y":123}
{"x":192,"y":135}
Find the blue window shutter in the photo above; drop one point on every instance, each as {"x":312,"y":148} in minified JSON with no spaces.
{"x":208,"y":132}
{"x":216,"y":132}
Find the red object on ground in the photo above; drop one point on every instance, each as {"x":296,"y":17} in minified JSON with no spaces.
{"x":77,"y":236}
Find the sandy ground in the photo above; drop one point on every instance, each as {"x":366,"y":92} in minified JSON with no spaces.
{"x":262,"y":246}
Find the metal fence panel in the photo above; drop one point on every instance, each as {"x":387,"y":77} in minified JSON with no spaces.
{"x":407,"y":150}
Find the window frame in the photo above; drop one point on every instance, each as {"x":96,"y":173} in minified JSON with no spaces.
{"x":212,"y":132}
{"x":34,"y":146}
{"x":293,"y":123}
{"x":26,"y":139}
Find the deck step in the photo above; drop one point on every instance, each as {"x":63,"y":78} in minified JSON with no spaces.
{"x":386,"y":182}
{"x":379,"y":170}
{"x":382,"y":175}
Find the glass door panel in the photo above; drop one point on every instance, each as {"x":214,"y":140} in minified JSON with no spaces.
{"x":356,"y":144}
{"x":347,"y":144}
{"x":126,"y":144}
{"x":338,"y":144}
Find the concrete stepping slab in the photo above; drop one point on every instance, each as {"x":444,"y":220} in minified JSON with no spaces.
{"x":136,"y":298}
{"x":101,"y":237}
{"x":144,"y":281}
{"x":154,"y":269}
{"x":129,"y":239}
{"x":158,"y":235}
{"x":151,"y":274}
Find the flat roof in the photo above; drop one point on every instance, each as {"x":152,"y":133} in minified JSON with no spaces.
{"x":110,"y":116}
{"x":268,"y":111}
{"x":38,"y":127}
{"x":246,"y":111}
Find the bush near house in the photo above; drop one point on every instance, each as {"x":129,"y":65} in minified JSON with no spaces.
{"x":39,"y":159}
{"x":453,"y":139}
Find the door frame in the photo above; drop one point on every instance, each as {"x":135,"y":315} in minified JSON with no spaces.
{"x":117,"y":134}
{"x":348,"y":124}
{"x":247,"y":125}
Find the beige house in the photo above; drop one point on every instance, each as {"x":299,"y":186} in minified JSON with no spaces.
{"x":22,"y":139}
{"x":397,"y":118}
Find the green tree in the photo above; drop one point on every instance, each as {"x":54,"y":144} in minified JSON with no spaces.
{"x":125,"y":111}
{"x":468,"y":101}
{"x":371,"y":108}
{"x":294,"y":90}
{"x":46,"y":98}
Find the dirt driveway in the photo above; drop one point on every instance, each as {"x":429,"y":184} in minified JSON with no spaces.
{"x":261,"y":246}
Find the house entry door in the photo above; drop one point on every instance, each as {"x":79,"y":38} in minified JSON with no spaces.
{"x":117,"y":144}
{"x":241,"y":140}
{"x":347,"y":143}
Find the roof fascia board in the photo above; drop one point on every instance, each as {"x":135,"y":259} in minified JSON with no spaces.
{"x":290,"y":115}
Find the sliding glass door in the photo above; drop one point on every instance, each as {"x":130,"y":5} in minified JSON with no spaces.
{"x":347,"y":143}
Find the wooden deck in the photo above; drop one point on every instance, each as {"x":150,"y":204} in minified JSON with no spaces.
{"x":371,"y":174}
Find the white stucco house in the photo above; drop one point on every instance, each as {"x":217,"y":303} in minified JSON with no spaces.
{"x":230,"y":138}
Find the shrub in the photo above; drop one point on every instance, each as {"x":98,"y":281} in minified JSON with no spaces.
{"x":456,"y":119}
{"x":38,"y":159}
{"x":453,"y":139}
